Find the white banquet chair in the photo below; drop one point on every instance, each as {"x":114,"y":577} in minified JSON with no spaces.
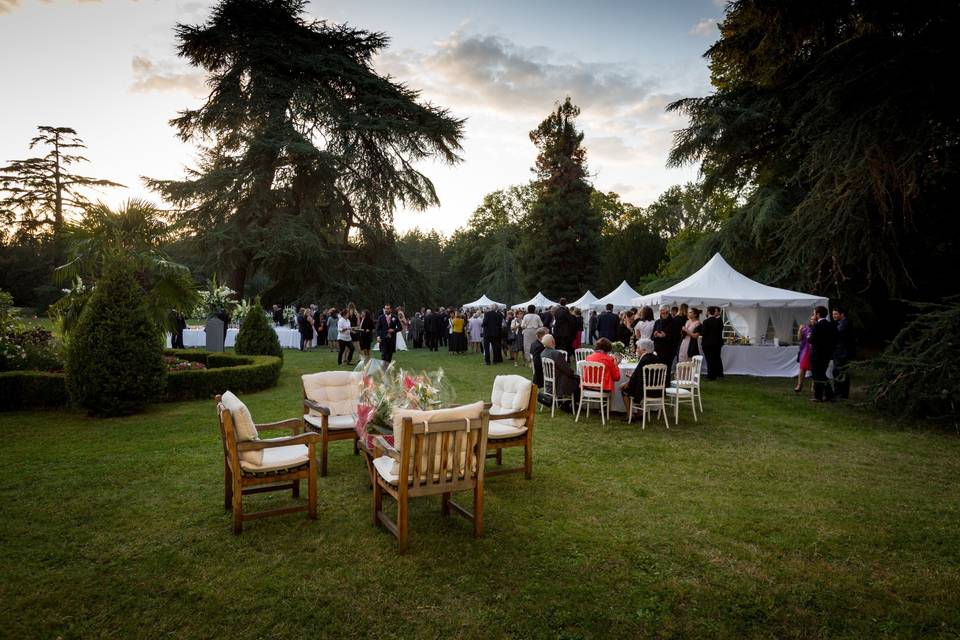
{"x":654,"y":379}
{"x":681,"y":390}
{"x":591,"y":390}
{"x":581,"y":354}
{"x":694,"y":386}
{"x":550,"y":386}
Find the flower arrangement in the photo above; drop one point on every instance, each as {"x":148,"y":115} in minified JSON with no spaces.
{"x":619,"y":348}
{"x":241,"y":310}
{"x":216,"y":299}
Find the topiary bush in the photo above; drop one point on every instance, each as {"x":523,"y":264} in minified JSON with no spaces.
{"x":114,"y":365}
{"x":256,"y":337}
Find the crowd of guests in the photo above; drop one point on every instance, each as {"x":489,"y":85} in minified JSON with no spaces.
{"x":827,"y":337}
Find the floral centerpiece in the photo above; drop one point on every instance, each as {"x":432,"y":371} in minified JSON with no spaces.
{"x":217,"y":299}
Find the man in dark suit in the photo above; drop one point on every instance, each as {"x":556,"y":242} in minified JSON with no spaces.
{"x":711,"y":336}
{"x":564,"y":327}
{"x":388,"y":326}
{"x":179,"y":325}
{"x":845,"y":351}
{"x":592,"y":328}
{"x":536,"y":352}
{"x":823,"y":342}
{"x":665,"y":338}
{"x":546,"y":317}
{"x":428,"y":331}
{"x":277,"y":315}
{"x":492,"y":336}
{"x":633,"y":387}
{"x":443,"y":331}
{"x":567,"y":379}
{"x":607,"y":324}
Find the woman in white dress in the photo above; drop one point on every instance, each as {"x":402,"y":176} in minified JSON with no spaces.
{"x":476,"y":331}
{"x":643,"y":330}
{"x":529,"y":325}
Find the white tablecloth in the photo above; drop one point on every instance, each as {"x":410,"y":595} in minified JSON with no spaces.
{"x":626,"y":368}
{"x":762,"y":361}
{"x":289,"y":338}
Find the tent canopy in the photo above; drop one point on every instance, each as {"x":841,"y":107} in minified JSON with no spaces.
{"x":584,"y":301}
{"x":540,"y":301}
{"x":720,"y":285}
{"x":621,"y":298}
{"x":483,"y":302}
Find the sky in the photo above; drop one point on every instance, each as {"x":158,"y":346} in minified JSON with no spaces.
{"x":109,"y":69}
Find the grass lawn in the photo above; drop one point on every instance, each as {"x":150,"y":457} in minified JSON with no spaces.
{"x":771,"y":517}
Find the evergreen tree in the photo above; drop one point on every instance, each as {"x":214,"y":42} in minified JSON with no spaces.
{"x":304,"y":143}
{"x":256,"y":337}
{"x":561,"y":250}
{"x":114,"y":365}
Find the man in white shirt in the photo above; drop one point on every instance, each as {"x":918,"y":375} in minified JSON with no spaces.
{"x":344,"y":339}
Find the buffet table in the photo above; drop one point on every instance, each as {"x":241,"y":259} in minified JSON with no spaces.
{"x":765,"y":361}
{"x":289,"y":338}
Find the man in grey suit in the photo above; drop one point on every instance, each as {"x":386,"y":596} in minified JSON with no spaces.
{"x":567,"y":379}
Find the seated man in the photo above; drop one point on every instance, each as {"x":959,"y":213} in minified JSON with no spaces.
{"x":633,"y":387}
{"x":536,"y":352}
{"x":568,"y":382}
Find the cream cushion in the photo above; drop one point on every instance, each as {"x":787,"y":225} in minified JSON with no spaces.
{"x":243,"y":426}
{"x":338,"y":391}
{"x":333,"y":422}
{"x":278,"y":458}
{"x":470,"y":412}
{"x":510,"y":395}
{"x":503,"y":429}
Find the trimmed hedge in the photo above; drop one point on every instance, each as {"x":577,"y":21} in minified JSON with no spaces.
{"x":29,"y":389}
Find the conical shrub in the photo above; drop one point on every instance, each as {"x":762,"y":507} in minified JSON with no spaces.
{"x":256,"y":337}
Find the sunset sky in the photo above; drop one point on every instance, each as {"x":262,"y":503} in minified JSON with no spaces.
{"x":108,"y":68}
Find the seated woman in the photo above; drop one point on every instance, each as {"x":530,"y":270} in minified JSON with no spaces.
{"x":602,"y":355}
{"x":633,"y":387}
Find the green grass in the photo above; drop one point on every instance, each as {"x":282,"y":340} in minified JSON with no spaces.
{"x":771,"y":517}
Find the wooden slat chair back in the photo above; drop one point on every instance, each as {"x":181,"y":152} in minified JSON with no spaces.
{"x":239,"y":481}
{"x":433,"y":458}
{"x":591,"y":389}
{"x":506,"y":431}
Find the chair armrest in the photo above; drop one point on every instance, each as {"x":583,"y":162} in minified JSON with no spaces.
{"x":319,"y":408}
{"x":294,"y":424}
{"x":286,"y":441}
{"x":380,"y":444}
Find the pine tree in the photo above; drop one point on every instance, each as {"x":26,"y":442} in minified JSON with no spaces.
{"x":256,"y":337}
{"x":562,"y":239}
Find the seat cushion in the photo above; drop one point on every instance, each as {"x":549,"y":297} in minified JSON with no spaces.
{"x":338,"y":391}
{"x":674,"y":391}
{"x":504,"y":429}
{"x":243,"y":425}
{"x":333,"y":422}
{"x":279,"y":459}
{"x":386,"y":467}
{"x":510,"y":395}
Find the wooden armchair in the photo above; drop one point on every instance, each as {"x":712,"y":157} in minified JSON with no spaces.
{"x":437,"y":453}
{"x":513,"y":409}
{"x":329,"y":402}
{"x":251,"y":465}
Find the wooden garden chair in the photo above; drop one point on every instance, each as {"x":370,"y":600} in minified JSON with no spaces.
{"x":512,"y":410}
{"x":329,"y":406}
{"x":437,"y":453}
{"x":252,"y":465}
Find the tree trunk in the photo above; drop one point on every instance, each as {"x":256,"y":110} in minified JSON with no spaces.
{"x":237,"y":278}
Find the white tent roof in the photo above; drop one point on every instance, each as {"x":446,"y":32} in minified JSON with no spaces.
{"x":718,"y":284}
{"x":584,"y":301}
{"x":540,"y":301}
{"x":484,"y":302}
{"x":621,"y":298}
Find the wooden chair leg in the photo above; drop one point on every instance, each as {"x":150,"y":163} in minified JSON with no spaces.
{"x":311,"y":490}
{"x":227,"y":487}
{"x":324,"y":445}
{"x":237,"y":507}
{"x":478,"y":511}
{"x":356,"y":445}
{"x":377,"y":503}
{"x":402,"y":523}
{"x":528,"y":460}
{"x":295,"y":488}
{"x":445,"y":504}
{"x":500,"y":456}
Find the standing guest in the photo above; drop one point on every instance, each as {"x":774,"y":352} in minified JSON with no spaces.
{"x":625,"y":328}
{"x":536,"y":351}
{"x":443,"y":327}
{"x":344,"y":339}
{"x":492,"y":336}
{"x":277,"y":315}
{"x":844,"y":352}
{"x":505,"y":332}
{"x":711,"y":332}
{"x":516,"y":339}
{"x":665,"y":338}
{"x":428,"y":333}
{"x":316,"y":316}
{"x":303,"y":326}
{"x":530,"y":323}
{"x":567,"y":381}
{"x":365,"y":333}
{"x":332,"y":318}
{"x":611,"y":371}
{"x":416,"y":330}
{"x":564,"y":327}
{"x":578,"y":333}
{"x":388,"y":325}
{"x":633,"y":388}
{"x":607,"y":323}
{"x":354,"y":317}
{"x":179,"y":325}
{"x":690,"y":345}
{"x":475,"y":327}
{"x":546,"y":317}
{"x":458,"y":335}
{"x":823,"y":343}
{"x":803,"y":353}
{"x":643,"y":328}
{"x":592,"y":327}
{"x":321,"y":327}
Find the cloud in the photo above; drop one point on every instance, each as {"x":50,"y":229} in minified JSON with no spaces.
{"x":706,"y":27}
{"x":153,"y":76}
{"x":6,"y":6}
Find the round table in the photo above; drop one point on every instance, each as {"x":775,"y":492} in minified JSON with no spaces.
{"x":616,"y":400}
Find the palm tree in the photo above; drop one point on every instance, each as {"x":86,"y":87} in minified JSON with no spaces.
{"x":137,"y":232}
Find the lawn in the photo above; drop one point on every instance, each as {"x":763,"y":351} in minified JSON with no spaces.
{"x":771,"y":517}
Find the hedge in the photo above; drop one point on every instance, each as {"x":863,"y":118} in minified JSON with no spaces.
{"x":244,"y":374}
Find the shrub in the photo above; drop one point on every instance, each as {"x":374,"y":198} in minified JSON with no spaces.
{"x":114,"y":365}
{"x":26,"y":389}
{"x":256,"y":337}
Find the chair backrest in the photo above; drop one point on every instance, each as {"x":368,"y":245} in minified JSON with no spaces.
{"x":655,"y":378}
{"x":512,"y":394}
{"x":564,"y":354}
{"x":439,"y":457}
{"x":684,"y":372}
{"x":591,"y":375}
{"x":581,"y":354}
{"x":228,"y":435}
{"x":697,"y":368}
{"x":339,"y":391}
{"x":549,"y":376}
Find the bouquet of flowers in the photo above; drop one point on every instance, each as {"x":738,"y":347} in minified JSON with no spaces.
{"x":241,"y":310}
{"x":619,"y":348}
{"x":216,"y":299}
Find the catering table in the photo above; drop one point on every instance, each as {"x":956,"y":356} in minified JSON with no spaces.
{"x":765,"y":361}
{"x":289,"y":338}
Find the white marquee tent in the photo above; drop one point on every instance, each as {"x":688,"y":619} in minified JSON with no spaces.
{"x":584,"y":301}
{"x":540,"y":301}
{"x":621,"y":298}
{"x":484,"y":303}
{"x":750,"y":305}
